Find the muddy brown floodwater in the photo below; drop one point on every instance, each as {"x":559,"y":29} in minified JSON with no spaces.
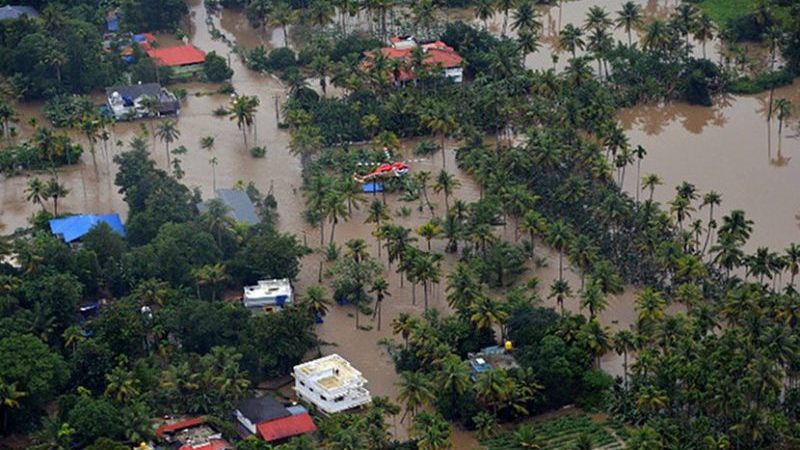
{"x":729,"y":148}
{"x":717,"y":148}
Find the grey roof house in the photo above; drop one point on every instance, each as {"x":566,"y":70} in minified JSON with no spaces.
{"x":241,"y":209}
{"x":12,"y":12}
{"x":125,"y":102}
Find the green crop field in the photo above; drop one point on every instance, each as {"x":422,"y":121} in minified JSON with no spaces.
{"x":563,"y":433}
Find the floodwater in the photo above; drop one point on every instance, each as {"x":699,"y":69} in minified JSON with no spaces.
{"x":733,"y":138}
{"x":729,"y":148}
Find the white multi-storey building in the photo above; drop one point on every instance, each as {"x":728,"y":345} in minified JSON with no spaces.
{"x":331,"y":384}
{"x":268,"y":295}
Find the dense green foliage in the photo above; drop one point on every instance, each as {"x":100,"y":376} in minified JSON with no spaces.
{"x":161,"y":341}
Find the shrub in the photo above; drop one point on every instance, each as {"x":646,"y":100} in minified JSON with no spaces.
{"x":216,"y":68}
{"x":64,"y":110}
{"x":761,"y":82}
{"x":281,"y":59}
{"x":258,"y":152}
{"x":426,"y":148}
{"x":594,"y":386}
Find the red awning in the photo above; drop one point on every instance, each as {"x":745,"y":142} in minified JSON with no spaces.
{"x":286,"y":427}
{"x":183,"y":55}
{"x":177,"y":426}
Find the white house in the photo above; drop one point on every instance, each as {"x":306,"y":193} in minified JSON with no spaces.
{"x":331,"y":384}
{"x":268,"y":295}
{"x":127,"y":102}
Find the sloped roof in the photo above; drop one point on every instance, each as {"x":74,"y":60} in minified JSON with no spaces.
{"x":177,"y":426}
{"x":135,"y":91}
{"x":15,"y":12}
{"x":182,"y":55}
{"x":241,"y":207}
{"x":286,"y":427}
{"x":74,"y":227}
{"x":262,"y":409}
{"x":437,"y":53}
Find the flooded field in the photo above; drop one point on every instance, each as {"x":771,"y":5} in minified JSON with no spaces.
{"x":727,"y":148}
{"x":732,"y":149}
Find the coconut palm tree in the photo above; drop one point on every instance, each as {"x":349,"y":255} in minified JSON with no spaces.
{"x":597,"y":19}
{"x":415,"y":391}
{"x":447,"y":184}
{"x":624,"y":342}
{"x":793,"y":261}
{"x":439,"y":119}
{"x":711,"y":199}
{"x":335,"y":209}
{"x":55,"y":190}
{"x":704,"y":30}
{"x":629,"y":17}
{"x":593,"y":298}
{"x":650,"y":181}
{"x":380,"y":287}
{"x":168,"y":133}
{"x":431,"y":432}
{"x":10,"y":398}
{"x":784,"y":108}
{"x":485,"y":313}
{"x":560,"y":290}
{"x":207,"y":143}
{"x":639,"y":152}
{"x":36,"y":192}
{"x":683,"y":20}
{"x":377,"y":213}
{"x":528,"y":42}
{"x":430,"y":231}
{"x":90,"y":127}
{"x":404,"y":324}
{"x":484,"y":10}
{"x":211,"y":275}
{"x":533,"y":223}
{"x":243,"y":111}
{"x":282,"y":15}
{"x":316,"y":301}
{"x":505,"y":6}
{"x":571,"y":39}
{"x":559,"y":236}
{"x":526,"y":18}
{"x":657,"y":36}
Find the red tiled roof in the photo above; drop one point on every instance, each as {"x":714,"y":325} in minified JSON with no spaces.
{"x":286,"y":427}
{"x":177,"y":426}
{"x":215,"y":444}
{"x":182,"y":55}
{"x":436,"y":54}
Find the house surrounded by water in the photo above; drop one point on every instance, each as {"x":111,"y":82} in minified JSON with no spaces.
{"x":331,"y":384}
{"x":129,"y":102}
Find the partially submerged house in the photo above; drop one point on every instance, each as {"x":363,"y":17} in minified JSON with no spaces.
{"x":331,"y":384}
{"x":436,"y":55}
{"x":240,"y":207}
{"x":182,"y":59}
{"x":192,"y":434}
{"x":268,"y":295}
{"x":491,"y":358}
{"x":271,"y":421}
{"x":129,"y":102}
{"x":16,"y":12}
{"x":73,"y":228}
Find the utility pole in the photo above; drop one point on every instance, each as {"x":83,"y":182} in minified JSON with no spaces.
{"x":277,"y":110}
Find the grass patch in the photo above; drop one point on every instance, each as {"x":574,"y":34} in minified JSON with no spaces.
{"x":722,"y":11}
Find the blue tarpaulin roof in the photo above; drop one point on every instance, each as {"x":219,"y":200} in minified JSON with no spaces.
{"x":74,"y":227}
{"x":371,"y":188}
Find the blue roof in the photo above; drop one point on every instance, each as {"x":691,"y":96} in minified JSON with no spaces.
{"x":74,"y":227}
{"x":371,"y":188}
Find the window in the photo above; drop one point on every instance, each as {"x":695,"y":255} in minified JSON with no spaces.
{"x":324,"y":399}
{"x":339,"y":398}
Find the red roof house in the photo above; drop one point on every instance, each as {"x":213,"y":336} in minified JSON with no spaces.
{"x":437,"y":54}
{"x":286,"y":427}
{"x":182,"y":55}
{"x":192,"y":434}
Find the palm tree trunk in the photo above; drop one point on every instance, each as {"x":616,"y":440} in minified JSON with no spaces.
{"x":285,"y":37}
{"x":425,"y":289}
{"x":333,"y":228}
{"x":413,"y":293}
